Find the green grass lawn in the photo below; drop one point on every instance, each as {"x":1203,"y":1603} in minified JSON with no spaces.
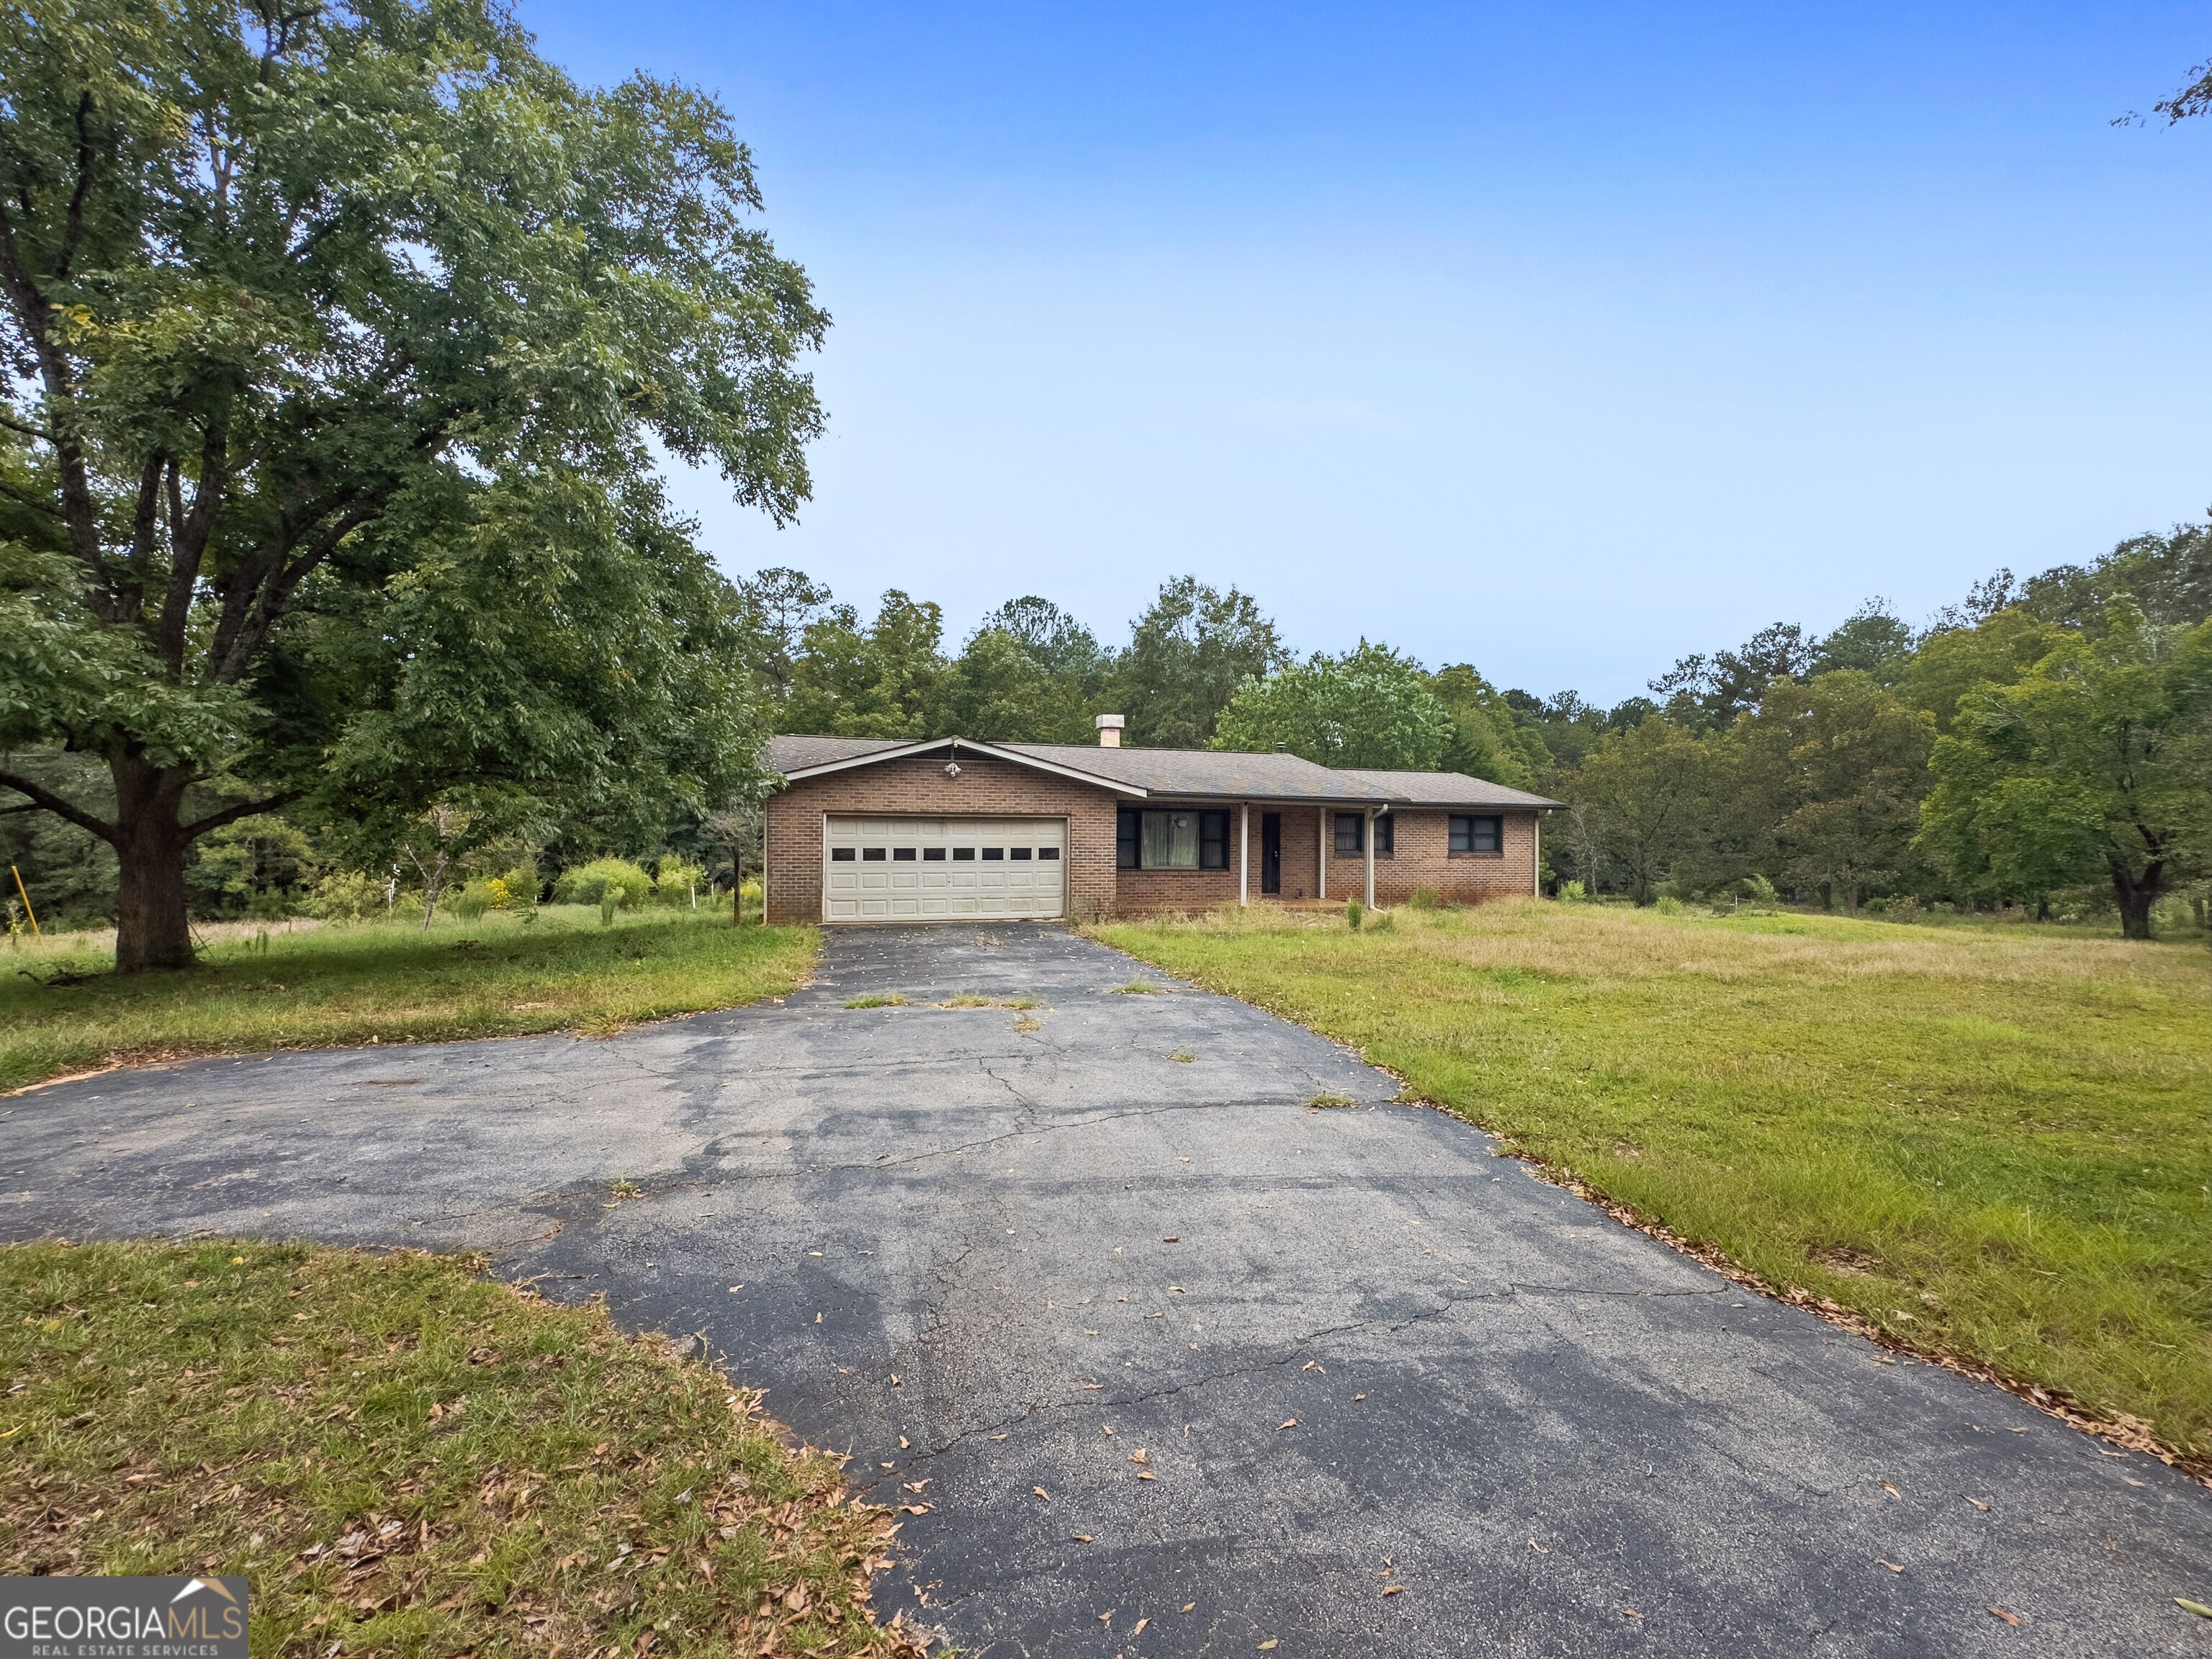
{"x":62,"y":1012}
{"x":1995,"y":1142}
{"x":402,"y":1457}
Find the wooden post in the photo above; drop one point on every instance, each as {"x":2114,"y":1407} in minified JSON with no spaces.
{"x":1244,"y":856}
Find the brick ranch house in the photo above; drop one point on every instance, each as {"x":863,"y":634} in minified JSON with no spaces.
{"x":948,"y":829}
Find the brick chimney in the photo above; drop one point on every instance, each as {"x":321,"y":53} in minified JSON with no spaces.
{"x":1110,"y":730}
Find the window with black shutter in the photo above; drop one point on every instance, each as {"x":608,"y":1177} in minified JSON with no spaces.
{"x":1386,"y":836}
{"x":1350,"y":833}
{"x":1213,"y":841}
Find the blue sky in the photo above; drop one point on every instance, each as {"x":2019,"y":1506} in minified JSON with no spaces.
{"x":1562,"y":340}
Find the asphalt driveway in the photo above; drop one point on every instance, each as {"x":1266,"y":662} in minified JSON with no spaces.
{"x":1150,"y":1338}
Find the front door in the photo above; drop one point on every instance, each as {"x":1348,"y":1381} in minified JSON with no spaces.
{"x":1271,"y":852}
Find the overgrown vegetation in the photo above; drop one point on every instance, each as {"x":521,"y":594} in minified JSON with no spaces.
{"x":404,"y":1457}
{"x":1990,"y":1139}
{"x":502,"y":974}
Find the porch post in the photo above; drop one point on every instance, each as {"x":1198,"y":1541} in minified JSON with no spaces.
{"x":1535,"y":853}
{"x":1244,"y":855}
{"x":1321,"y":841}
{"x":1370,"y":858}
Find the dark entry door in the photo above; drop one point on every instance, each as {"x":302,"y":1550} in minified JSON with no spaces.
{"x":1271,"y":852}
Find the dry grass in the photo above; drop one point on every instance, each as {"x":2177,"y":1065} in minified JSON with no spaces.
{"x":1993,"y":1142}
{"x":404,"y":1458}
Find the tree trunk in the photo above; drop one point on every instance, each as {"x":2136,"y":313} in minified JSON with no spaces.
{"x":151,"y":931}
{"x":2137,"y":894}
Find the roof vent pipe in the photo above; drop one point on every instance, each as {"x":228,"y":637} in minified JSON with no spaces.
{"x":1110,"y":730}
{"x":1282,"y":749}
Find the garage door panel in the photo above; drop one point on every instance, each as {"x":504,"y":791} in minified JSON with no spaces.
{"x":891,"y":868}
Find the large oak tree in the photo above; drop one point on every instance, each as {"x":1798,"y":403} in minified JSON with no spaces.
{"x":337,"y":338}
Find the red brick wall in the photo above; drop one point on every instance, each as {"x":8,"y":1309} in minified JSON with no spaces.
{"x":985,"y":789}
{"x":1422,"y":858}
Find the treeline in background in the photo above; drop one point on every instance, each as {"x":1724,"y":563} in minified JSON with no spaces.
{"x":2043,"y":748}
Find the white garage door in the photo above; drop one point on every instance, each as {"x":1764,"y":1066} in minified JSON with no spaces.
{"x":942,"y":869}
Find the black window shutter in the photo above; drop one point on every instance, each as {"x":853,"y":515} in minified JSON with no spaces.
{"x":1128,"y":830}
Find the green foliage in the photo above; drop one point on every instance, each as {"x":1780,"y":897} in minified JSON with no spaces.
{"x":1488,"y":737}
{"x":1662,"y":795}
{"x":1355,"y":913}
{"x":344,"y":341}
{"x":616,"y":881}
{"x":676,"y":882}
{"x":1843,"y":765}
{"x":256,"y":866}
{"x":345,"y":896}
{"x":1368,"y":707}
{"x":2093,"y":763}
{"x":1188,"y":655}
{"x":882,"y":680}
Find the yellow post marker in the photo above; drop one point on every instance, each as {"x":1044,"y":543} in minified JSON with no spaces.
{"x":36,"y":932}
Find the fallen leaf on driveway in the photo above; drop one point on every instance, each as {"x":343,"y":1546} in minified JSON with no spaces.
{"x":1269,"y":1643}
{"x":913,"y":1509}
{"x":1147,"y":1474}
{"x":1892,"y":1566}
{"x":1393,"y":1589}
{"x":1137,"y":1629}
{"x":1172,"y":1239}
{"x":1291,"y":1424}
{"x":1042,"y":1493}
{"x":1538,"y":1547}
{"x":1891,"y":1490}
{"x":902,"y":1443}
{"x":1140,"y":1456}
{"x":2196,"y":1608}
{"x":2005,"y":1613}
{"x":1082,"y":1537}
{"x":1188,"y":1607}
{"x":1978,"y":1505}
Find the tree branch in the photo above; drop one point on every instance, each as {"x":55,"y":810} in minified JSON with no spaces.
{"x":189,"y":539}
{"x":74,"y":232}
{"x":26,"y":428}
{"x":242,"y":810}
{"x":44,"y":797}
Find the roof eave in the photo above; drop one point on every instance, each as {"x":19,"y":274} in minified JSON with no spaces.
{"x":906,"y":751}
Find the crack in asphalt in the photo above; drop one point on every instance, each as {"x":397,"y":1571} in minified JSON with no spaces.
{"x":1301,"y":1345}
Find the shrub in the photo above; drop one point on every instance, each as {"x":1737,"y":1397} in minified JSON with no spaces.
{"x":1571,"y":893}
{"x":479,"y":895}
{"x":1761,"y":891}
{"x":1380,"y":922}
{"x":345,"y":896}
{"x":1355,"y":913}
{"x":523,"y":885}
{"x":1903,"y":908}
{"x":1423,"y":898}
{"x":679,"y":882}
{"x":1669,"y":905}
{"x":602,"y":879}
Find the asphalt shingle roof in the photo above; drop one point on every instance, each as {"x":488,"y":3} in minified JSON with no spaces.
{"x":1204,"y":774}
